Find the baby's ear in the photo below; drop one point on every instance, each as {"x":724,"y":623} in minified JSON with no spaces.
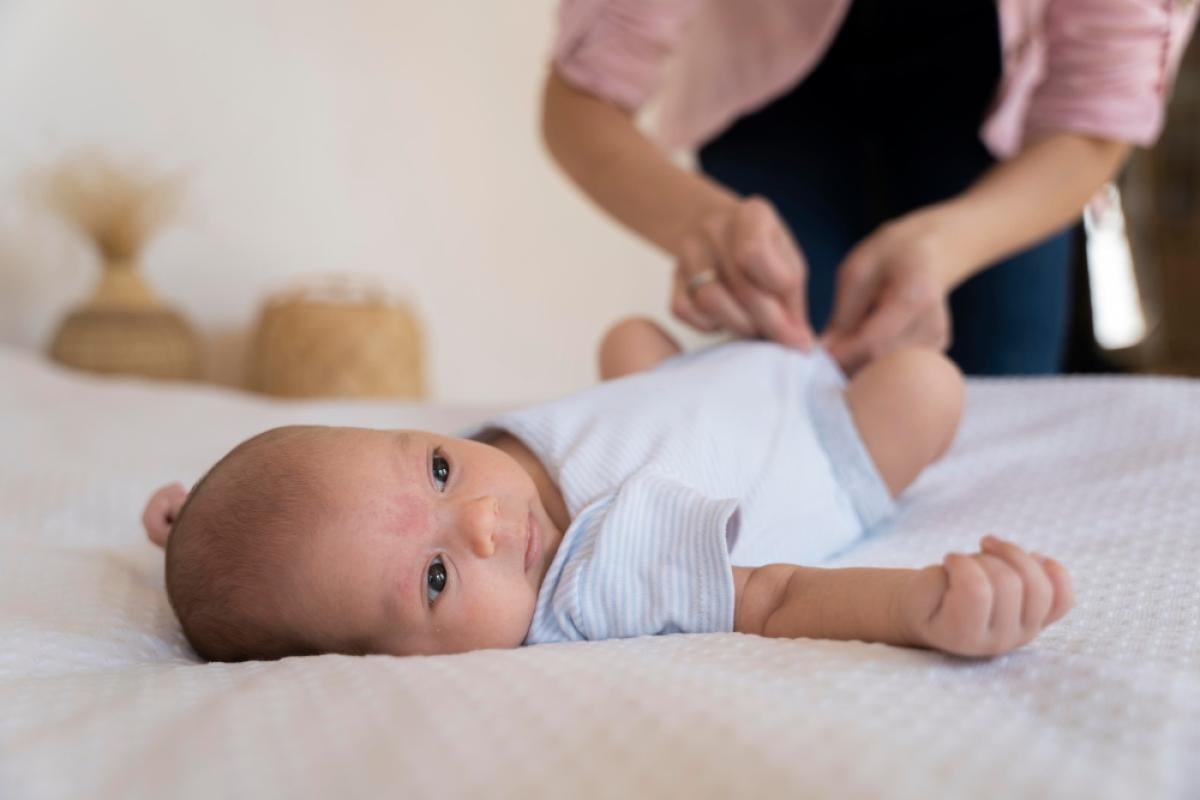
{"x":161,"y":512}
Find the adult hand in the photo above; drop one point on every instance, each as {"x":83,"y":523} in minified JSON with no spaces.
{"x":891,"y":291}
{"x":739,"y":270}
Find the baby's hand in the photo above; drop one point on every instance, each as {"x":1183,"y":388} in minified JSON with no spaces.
{"x":986,"y":603}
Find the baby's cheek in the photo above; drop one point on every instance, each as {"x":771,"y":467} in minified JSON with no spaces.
{"x":500,"y":619}
{"x":406,"y":514}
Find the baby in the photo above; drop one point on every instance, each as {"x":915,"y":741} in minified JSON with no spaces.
{"x":661,"y":501}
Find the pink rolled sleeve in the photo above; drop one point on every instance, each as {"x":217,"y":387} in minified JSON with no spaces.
{"x":1096,"y":67}
{"x":616,"y":49}
{"x":1109,"y":66}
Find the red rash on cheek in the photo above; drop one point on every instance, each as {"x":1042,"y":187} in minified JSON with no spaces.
{"x":407,"y":515}
{"x":406,"y":522}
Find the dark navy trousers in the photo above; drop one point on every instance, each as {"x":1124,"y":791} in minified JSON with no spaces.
{"x":887,"y":123}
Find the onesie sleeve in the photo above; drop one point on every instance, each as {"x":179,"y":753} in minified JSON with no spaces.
{"x":1109,"y":67}
{"x":653,"y":558}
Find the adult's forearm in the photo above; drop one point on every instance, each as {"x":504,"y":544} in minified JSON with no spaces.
{"x":601,"y":148}
{"x":794,"y":602}
{"x":1024,"y":199}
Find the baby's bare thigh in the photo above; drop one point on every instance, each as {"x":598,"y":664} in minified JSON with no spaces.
{"x":633,"y":345}
{"x":906,"y":406}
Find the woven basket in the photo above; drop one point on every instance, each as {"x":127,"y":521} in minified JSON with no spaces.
{"x":124,"y":328}
{"x":154,"y":343}
{"x":337,"y":339}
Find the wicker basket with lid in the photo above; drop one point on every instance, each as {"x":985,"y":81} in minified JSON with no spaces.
{"x":337,"y":337}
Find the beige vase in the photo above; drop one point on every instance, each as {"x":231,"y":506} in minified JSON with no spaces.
{"x":117,"y":207}
{"x":125,"y":329}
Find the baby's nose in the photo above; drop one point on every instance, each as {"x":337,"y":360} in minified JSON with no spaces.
{"x":478,"y":522}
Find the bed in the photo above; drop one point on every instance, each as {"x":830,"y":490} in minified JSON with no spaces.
{"x":100,"y":697}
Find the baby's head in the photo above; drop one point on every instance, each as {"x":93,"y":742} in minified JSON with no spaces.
{"x":308,"y":540}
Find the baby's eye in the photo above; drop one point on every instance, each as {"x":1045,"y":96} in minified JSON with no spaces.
{"x":435,"y":579}
{"x":440,"y":468}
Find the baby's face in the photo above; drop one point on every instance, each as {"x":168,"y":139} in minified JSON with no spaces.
{"x":422,"y":543}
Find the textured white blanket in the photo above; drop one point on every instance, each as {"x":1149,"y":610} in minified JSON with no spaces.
{"x":100,"y":697}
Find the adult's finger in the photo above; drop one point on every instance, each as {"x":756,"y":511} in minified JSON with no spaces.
{"x":910,"y":307}
{"x":858,"y":277}
{"x":931,"y":329}
{"x":780,"y":318}
{"x":684,"y":309}
{"x":795,"y":303}
{"x":712,"y":299}
{"x":766,"y":311}
{"x":759,"y":241}
{"x":715,"y":301}
{"x":769,"y":316}
{"x":878,"y":334}
{"x":761,"y":252}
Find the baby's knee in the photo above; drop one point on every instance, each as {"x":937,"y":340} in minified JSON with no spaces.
{"x":632,"y":345}
{"x":928,"y":389}
{"x":907,"y":406}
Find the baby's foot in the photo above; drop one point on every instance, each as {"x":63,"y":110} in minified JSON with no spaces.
{"x":985,"y":603}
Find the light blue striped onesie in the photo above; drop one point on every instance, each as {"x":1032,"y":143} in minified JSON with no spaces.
{"x":739,"y":454}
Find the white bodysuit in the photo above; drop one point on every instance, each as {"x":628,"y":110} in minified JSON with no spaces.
{"x":740,"y":454}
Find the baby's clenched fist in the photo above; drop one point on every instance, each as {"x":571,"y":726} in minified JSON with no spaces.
{"x":985,"y":603}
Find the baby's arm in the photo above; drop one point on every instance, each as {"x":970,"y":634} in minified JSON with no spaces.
{"x":982,"y":604}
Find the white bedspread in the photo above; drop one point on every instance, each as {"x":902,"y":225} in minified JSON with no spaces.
{"x":101,"y":698}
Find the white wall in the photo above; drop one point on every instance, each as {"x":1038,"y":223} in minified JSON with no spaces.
{"x":389,"y":137}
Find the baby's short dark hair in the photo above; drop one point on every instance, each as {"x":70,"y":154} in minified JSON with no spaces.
{"x":229,"y":549}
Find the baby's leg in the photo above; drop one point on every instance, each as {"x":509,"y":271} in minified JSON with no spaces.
{"x":634,"y":345}
{"x":906,"y":405}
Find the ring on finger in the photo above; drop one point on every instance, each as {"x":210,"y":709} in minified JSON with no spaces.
{"x":701,"y":279}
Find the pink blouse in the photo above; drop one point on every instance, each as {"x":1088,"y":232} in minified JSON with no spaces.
{"x":1098,"y":67}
